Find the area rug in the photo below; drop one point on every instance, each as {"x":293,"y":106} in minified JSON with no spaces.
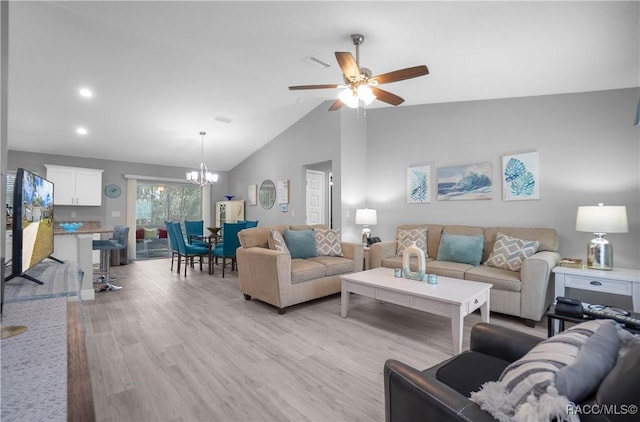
{"x":59,"y":280}
{"x":34,"y":363}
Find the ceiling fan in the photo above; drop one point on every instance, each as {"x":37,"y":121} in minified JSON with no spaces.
{"x":360,"y":85}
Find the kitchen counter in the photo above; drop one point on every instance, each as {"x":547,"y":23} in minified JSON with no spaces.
{"x":89,"y":227}
{"x":78,"y":247}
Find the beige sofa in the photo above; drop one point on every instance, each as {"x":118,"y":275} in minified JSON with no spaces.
{"x":273,"y":277}
{"x":526,"y":293}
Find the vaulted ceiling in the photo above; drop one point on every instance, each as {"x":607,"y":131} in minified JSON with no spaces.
{"x":162,"y":71}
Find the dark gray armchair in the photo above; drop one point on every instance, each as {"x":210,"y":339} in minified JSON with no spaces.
{"x":441,"y":393}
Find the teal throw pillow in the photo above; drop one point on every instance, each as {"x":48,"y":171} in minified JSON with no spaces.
{"x":301,"y":243}
{"x":460,"y":248}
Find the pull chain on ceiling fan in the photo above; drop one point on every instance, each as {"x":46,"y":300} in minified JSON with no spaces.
{"x":360,"y":85}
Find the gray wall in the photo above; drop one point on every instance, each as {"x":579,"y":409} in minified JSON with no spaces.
{"x":310,"y":141}
{"x":114,"y":172}
{"x":588,"y":153}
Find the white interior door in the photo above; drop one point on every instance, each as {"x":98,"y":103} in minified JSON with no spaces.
{"x":316,"y":194}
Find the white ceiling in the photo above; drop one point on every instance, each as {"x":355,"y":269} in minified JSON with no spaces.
{"x":162,"y":71}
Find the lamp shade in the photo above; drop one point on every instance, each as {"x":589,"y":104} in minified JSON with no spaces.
{"x":602,"y":219}
{"x":366,"y":216}
{"x":636,"y":122}
{"x":349,"y":97}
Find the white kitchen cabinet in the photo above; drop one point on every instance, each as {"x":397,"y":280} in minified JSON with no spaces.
{"x":75,"y":185}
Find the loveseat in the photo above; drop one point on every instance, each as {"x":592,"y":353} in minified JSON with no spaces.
{"x":274,"y":277}
{"x":521,"y":286}
{"x":564,"y":378}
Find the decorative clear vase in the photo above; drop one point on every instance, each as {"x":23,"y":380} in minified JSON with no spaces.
{"x":410,"y":251}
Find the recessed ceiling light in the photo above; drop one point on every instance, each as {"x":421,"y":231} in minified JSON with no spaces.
{"x":81,"y":131}
{"x":86,"y":93}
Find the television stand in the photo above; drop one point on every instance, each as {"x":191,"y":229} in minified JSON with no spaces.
{"x":23,"y":275}
{"x":28,"y":277}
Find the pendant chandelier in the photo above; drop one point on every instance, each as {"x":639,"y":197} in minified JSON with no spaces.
{"x":202,"y":177}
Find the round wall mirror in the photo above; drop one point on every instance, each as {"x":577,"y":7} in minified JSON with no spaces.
{"x":267,"y":194}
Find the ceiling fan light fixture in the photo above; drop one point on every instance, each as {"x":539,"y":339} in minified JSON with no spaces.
{"x":349,"y":97}
{"x":366,"y":94}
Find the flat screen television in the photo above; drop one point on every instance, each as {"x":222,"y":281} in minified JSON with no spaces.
{"x":32,"y":222}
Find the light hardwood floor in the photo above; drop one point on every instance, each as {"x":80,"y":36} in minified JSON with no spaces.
{"x":175,"y":348}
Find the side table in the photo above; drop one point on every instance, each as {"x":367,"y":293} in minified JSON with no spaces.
{"x":560,"y":319}
{"x":620,"y":281}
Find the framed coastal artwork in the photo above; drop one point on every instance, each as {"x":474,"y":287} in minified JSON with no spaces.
{"x":520,"y":177}
{"x":465,"y":182}
{"x":418,"y":191}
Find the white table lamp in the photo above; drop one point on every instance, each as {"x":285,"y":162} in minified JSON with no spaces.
{"x":601,"y":220}
{"x":366,"y":217}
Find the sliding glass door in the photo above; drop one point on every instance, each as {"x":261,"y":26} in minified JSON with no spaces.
{"x":157,"y":202}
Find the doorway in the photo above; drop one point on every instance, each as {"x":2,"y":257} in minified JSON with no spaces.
{"x":315,"y":197}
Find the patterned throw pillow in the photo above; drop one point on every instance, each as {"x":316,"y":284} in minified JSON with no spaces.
{"x":565,"y":368}
{"x":276,"y":242}
{"x":407,"y":237}
{"x":510,"y":252}
{"x":328,"y":242}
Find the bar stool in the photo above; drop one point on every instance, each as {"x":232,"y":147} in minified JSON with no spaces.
{"x":105,"y":247}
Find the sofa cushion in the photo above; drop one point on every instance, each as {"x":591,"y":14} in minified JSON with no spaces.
{"x":510,"y":252}
{"x":162,"y":233}
{"x":301,"y":243}
{"x":448,"y":268}
{"x":306,"y":269}
{"x":335,"y":264}
{"x":565,"y":368}
{"x":328,"y":242}
{"x":469,"y":370}
{"x":151,"y":233}
{"x":461,"y":248}
{"x":397,"y":262}
{"x":500,"y":279}
{"x":276,"y":242}
{"x":139,"y":234}
{"x":406,"y":237}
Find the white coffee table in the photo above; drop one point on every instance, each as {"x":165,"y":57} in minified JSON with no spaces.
{"x":451,"y":297}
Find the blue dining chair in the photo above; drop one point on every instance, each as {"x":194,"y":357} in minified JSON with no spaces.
{"x":172,"y":243}
{"x":250,"y":223}
{"x":188,"y":251}
{"x":195,"y":233}
{"x":227,"y":249}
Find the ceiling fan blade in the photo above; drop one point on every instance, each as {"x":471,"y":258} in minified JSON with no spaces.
{"x":293,"y":88}
{"x":336,"y":105}
{"x":402,"y":74}
{"x":386,"y":96}
{"x":348,"y":64}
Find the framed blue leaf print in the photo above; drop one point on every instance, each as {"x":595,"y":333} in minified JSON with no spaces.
{"x":418,"y":180}
{"x":520,"y":177}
